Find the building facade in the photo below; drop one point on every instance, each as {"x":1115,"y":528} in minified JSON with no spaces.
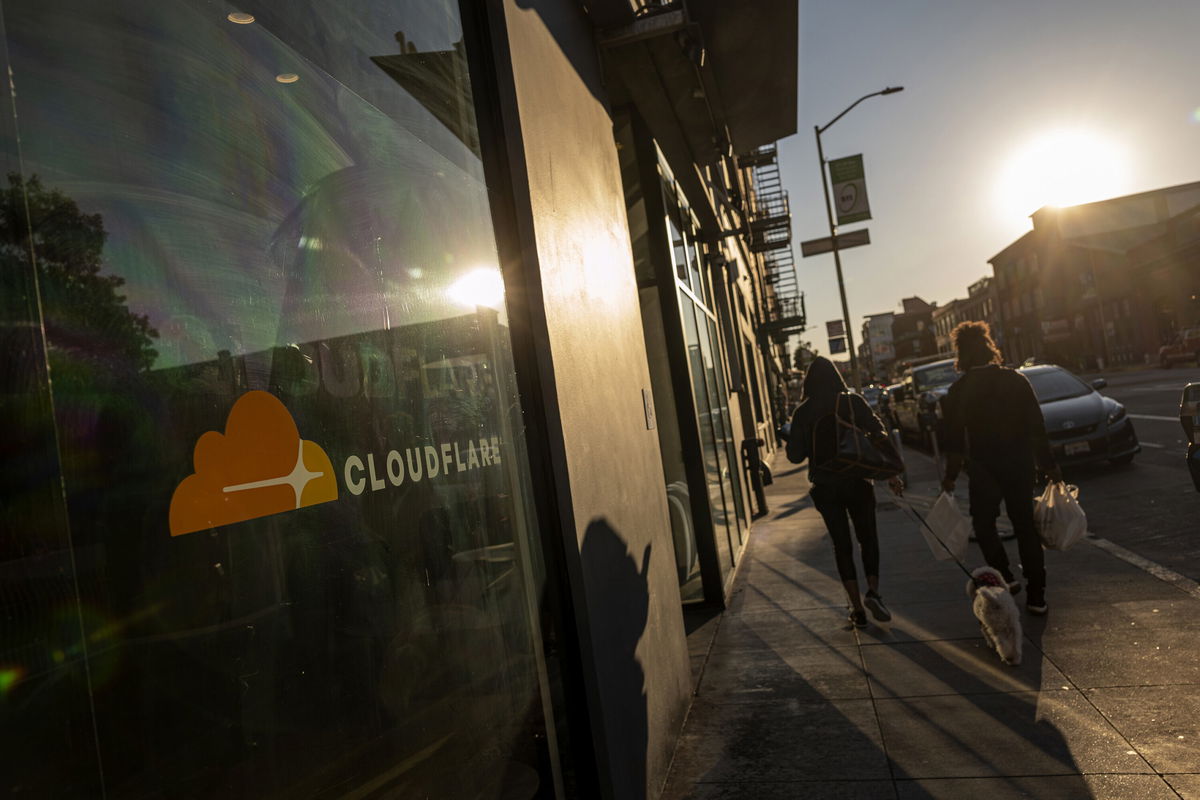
{"x":978,"y":306}
{"x":912,"y":332}
{"x":383,"y":381}
{"x":945,"y":318}
{"x":877,"y":335}
{"x":1101,"y":283}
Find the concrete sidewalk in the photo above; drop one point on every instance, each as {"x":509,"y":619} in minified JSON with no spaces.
{"x":793,"y":703}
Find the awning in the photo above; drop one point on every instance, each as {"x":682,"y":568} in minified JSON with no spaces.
{"x":708,"y":76}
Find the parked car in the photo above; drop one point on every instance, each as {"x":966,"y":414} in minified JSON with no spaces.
{"x":1083,"y":425}
{"x":873,"y":394}
{"x":1183,"y":348}
{"x":914,"y":407}
{"x":1189,"y":417}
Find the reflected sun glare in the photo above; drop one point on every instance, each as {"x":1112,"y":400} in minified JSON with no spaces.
{"x":1062,"y":168}
{"x":480,"y":287}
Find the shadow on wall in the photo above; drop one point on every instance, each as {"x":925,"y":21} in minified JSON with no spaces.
{"x":617,"y":628}
{"x":564,"y":19}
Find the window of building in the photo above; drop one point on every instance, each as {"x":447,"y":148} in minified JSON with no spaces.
{"x":686,"y":334}
{"x":280,"y":546}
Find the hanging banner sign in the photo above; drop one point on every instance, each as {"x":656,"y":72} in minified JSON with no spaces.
{"x":849,"y":189}
{"x":835,"y":327}
{"x":837,"y":344}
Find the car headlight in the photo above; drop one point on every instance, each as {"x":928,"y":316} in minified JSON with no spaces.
{"x":1116,"y":414}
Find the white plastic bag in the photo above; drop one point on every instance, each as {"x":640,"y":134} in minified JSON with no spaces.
{"x":1059,"y":517}
{"x":950,"y":526}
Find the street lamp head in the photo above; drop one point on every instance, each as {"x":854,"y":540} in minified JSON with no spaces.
{"x":892,"y":90}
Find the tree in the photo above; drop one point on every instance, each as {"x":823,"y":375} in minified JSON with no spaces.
{"x":803,"y":355}
{"x":90,"y":331}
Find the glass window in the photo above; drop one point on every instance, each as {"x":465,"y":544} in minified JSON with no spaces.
{"x":709,"y":413}
{"x":1056,"y":384}
{"x":932,"y":377}
{"x":683,"y":529}
{"x":699,"y":284}
{"x":719,"y":397}
{"x":679,"y":247}
{"x":293,"y":557}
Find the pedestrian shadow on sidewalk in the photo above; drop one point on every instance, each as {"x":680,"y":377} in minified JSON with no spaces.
{"x":962,"y":723}
{"x":793,"y":507}
{"x":951,"y":715}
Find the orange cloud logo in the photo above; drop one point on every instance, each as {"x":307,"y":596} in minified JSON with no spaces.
{"x":258,"y":467}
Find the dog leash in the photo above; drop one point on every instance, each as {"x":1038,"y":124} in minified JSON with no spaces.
{"x":907,"y":506}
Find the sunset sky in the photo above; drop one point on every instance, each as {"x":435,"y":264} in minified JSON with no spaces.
{"x":1007,"y":107}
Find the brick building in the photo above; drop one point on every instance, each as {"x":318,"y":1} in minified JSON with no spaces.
{"x":912,"y":330}
{"x":1101,"y":283}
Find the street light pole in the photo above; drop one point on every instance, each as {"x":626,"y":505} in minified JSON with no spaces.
{"x":837,"y":262}
{"x":837,"y":258}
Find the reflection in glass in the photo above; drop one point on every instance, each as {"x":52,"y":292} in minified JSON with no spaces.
{"x":679,"y":250}
{"x":204,"y":229}
{"x":708,"y":428}
{"x":727,"y":443}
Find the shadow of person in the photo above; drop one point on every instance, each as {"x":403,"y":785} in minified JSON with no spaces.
{"x":617,"y":628}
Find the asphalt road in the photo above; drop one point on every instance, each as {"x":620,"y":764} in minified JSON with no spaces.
{"x":1149,"y":506}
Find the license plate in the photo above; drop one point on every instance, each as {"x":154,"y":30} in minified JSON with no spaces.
{"x":1075,"y":448}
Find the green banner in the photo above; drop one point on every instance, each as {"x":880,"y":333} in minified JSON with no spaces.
{"x":845,"y":169}
{"x":849,"y":189}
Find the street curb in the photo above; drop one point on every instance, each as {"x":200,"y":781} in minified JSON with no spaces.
{"x":1181,"y":582}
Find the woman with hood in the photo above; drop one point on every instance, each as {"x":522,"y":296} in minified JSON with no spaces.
{"x":841,"y":500}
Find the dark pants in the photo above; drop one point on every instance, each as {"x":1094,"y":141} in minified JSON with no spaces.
{"x":839,"y":504}
{"x":1012,"y":482}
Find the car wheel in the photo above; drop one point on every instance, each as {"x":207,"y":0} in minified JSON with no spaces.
{"x":1122,"y":460}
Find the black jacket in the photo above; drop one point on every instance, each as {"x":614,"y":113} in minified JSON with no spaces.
{"x":822,"y":385}
{"x":993,"y":415}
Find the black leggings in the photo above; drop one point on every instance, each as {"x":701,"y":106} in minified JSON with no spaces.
{"x":854,"y":499}
{"x":1012,"y":483}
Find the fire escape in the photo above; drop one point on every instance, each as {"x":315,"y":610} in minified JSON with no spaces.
{"x":770,"y":232}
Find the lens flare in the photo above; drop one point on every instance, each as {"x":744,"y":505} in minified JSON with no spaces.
{"x":10,"y":677}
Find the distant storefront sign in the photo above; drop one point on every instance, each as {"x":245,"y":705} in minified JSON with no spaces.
{"x":849,"y":189}
{"x":1054,"y":330}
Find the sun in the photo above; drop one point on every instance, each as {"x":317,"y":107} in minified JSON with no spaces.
{"x":1062,"y":168}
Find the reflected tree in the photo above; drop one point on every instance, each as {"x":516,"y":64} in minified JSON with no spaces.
{"x":89,"y":329}
{"x":803,"y":355}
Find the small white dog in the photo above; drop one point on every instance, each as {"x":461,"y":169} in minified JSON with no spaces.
{"x":996,"y":611}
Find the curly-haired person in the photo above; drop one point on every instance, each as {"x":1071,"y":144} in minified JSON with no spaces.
{"x":995,"y":425}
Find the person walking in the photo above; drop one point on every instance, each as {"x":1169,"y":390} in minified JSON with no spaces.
{"x":841,"y":500}
{"x":994,"y":424}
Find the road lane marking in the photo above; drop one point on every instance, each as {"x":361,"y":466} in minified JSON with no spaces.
{"x":1157,"y":570}
{"x":1152,"y":444}
{"x":1162,"y":387}
{"x":1153,"y":416}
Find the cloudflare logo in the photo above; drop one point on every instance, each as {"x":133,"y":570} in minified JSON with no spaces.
{"x":258,"y":467}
